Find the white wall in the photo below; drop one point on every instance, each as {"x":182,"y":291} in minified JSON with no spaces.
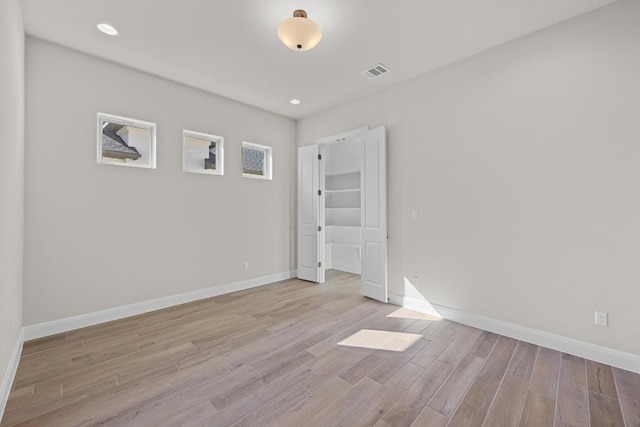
{"x":102,"y":236}
{"x":524,"y":162}
{"x":11,"y":179}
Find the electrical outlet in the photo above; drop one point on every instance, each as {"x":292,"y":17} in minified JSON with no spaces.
{"x":415,"y":281}
{"x":602,"y":318}
{"x":415,"y":213}
{"x":246,"y":265}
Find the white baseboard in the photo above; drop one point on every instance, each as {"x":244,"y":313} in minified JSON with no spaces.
{"x":89,"y":319}
{"x":609,"y":356}
{"x":10,"y":374}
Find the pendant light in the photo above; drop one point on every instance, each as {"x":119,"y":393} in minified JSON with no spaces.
{"x":299,"y":33}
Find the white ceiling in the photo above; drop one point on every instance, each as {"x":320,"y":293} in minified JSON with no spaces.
{"x":230,"y":47}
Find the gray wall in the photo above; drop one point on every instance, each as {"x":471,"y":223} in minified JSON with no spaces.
{"x":524,"y":164}
{"x":11,"y":177}
{"x":100,"y":236}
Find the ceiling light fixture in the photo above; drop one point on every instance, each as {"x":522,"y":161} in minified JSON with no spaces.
{"x":299,"y":33}
{"x":294,"y":101}
{"x":107,"y":29}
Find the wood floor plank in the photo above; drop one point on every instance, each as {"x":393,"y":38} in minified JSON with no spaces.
{"x":275,"y":371}
{"x":362,"y":368}
{"x":271,"y":356}
{"x":238,"y":410}
{"x":572,"y":405}
{"x":484,"y":344}
{"x":600,"y":379}
{"x":432,"y":350}
{"x":345,"y":360}
{"x":391,"y":365}
{"x":269,"y":412}
{"x":417,"y":326}
{"x":604,"y":411}
{"x":539,"y":411}
{"x":497,"y":362}
{"x":523,"y":359}
{"x":380,"y":402}
{"x":456,"y":351}
{"x":341,"y":408}
{"x":98,"y":409}
{"x":42,"y":344}
{"x":166,"y":405}
{"x":436,"y":328}
{"x":295,"y":347}
{"x":192,"y":417}
{"x":448,"y":397}
{"x":239,"y":384}
{"x":546,"y":371}
{"x":628,"y":384}
{"x":411,"y":403}
{"x":300,"y":413}
{"x":506,"y":408}
{"x":474,"y":406}
{"x":431,"y":418}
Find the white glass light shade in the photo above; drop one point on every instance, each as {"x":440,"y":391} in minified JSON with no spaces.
{"x":299,"y":33}
{"x":107,"y":29}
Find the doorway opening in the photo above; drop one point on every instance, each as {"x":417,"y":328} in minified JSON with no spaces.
{"x":342,"y":209}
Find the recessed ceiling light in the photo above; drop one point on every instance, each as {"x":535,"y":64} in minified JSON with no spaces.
{"x":295,"y":101}
{"x":107,"y":29}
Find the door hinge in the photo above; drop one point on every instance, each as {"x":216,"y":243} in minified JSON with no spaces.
{"x":319,"y":192}
{"x":319,"y":264}
{"x":319,"y":228}
{"x":319,"y":156}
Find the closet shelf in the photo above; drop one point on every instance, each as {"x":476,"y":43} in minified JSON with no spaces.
{"x":341,"y":209}
{"x":344,"y":190}
{"x":351,"y":172}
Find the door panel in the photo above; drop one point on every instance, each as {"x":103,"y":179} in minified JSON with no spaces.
{"x":308,"y":212}
{"x":374,"y":216}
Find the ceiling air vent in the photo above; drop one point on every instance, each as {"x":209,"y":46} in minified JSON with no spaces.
{"x":375,"y":71}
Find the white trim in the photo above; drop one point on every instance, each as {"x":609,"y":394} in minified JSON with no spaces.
{"x":339,"y":137}
{"x":70,"y":323}
{"x":10,"y":374}
{"x":609,"y":356}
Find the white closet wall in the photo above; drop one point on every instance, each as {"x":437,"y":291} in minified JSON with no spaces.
{"x":342,"y":205}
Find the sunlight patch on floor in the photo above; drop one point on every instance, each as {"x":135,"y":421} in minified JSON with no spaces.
{"x":405,"y":313}
{"x":381,"y":340}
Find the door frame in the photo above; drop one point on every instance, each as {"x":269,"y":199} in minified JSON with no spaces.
{"x":322,"y":143}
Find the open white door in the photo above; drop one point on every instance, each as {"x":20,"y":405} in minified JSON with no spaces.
{"x":308,"y":214}
{"x":374,"y":214}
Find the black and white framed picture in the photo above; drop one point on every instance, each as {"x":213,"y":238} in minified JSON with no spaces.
{"x":126,"y":142}
{"x":202,"y":153}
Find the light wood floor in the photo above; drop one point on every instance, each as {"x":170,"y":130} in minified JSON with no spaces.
{"x":271,"y":356}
